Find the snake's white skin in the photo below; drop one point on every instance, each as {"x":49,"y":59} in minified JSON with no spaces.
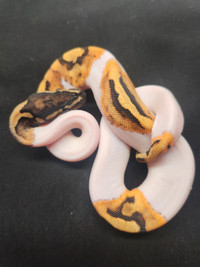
{"x":170,"y":176}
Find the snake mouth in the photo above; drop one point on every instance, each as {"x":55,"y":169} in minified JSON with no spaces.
{"x":42,"y":108}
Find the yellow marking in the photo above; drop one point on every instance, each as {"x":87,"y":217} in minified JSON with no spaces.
{"x":113,"y":72}
{"x":39,"y":120}
{"x":75,"y":76}
{"x":24,"y":134}
{"x":73,"y":90}
{"x":152,"y":218}
{"x":39,"y":104}
{"x":54,"y":79}
{"x":127,"y":209}
{"x":166,"y":140}
{"x":51,"y":116}
{"x":74,"y":103}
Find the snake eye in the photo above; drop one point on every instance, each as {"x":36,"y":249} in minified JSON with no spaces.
{"x":46,"y":106}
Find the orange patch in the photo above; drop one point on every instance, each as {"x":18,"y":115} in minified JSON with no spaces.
{"x":19,"y":130}
{"x":74,"y":67}
{"x":120,"y":102}
{"x":130,"y":212}
{"x":160,"y":144}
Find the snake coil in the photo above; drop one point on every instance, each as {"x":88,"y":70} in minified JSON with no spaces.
{"x":147,"y":118}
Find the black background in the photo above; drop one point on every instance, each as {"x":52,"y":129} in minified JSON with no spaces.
{"x":46,"y":217}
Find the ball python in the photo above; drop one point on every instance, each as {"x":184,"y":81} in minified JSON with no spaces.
{"x":147,"y":118}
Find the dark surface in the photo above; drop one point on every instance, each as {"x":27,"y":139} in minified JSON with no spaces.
{"x":46,"y":217}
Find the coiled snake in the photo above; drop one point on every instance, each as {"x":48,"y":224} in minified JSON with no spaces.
{"x":147,"y":118}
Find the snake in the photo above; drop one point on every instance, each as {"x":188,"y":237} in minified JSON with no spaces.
{"x":147,"y":118}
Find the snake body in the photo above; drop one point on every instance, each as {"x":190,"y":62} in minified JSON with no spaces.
{"x":147,"y":118}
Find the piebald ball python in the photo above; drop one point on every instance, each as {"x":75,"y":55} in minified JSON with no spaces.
{"x":147,"y":118}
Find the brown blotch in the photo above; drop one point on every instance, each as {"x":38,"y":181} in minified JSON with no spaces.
{"x":47,"y":86}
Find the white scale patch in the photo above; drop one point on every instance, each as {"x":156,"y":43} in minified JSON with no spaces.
{"x":66,"y":84}
{"x":93,"y":81}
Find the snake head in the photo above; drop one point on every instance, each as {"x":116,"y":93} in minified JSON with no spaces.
{"x":41,"y":108}
{"x":46,"y":106}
